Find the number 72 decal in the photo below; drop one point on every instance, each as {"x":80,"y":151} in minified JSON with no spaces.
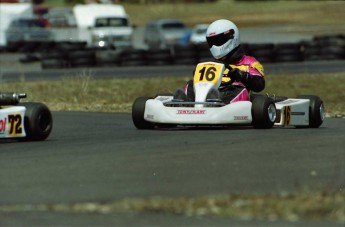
{"x":15,"y":124}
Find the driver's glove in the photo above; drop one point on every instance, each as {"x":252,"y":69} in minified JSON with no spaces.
{"x":238,"y":75}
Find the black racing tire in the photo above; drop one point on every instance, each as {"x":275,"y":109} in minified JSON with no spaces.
{"x":38,"y":121}
{"x":185,"y":55}
{"x":138,"y":111}
{"x":82,"y":62}
{"x":53,"y":64}
{"x":70,"y":46}
{"x":316,"y":110}
{"x":81,"y":54}
{"x":263,"y":52}
{"x":82,"y":58}
{"x":288,"y":58}
{"x":311,"y":51}
{"x":61,"y":55}
{"x":288,"y":52}
{"x":263,"y":112}
{"x":133,"y":57}
{"x":108,"y":58}
{"x":159,"y":57}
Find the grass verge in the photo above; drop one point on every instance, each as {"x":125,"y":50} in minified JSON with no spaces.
{"x":272,"y":207}
{"x":243,"y":13}
{"x":83,"y":93}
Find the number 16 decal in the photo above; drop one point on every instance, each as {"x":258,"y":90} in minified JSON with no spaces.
{"x":208,"y":73}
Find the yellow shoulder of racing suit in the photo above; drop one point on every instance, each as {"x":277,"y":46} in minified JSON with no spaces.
{"x":255,"y":65}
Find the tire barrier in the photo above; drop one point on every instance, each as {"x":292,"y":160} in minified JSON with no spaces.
{"x":263,"y":52}
{"x":77,"y":54}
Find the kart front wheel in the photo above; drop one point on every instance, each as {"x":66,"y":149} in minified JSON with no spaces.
{"x":38,"y":121}
{"x":263,"y":112}
{"x":316,"y":110}
{"x":138,"y":111}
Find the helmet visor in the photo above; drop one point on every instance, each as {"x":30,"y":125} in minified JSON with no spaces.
{"x":221,"y":38}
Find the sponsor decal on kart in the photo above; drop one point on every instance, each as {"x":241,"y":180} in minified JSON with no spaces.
{"x":195,"y":112}
{"x":12,"y":124}
{"x":150,"y":116}
{"x":3,"y":125}
{"x":240,"y":118}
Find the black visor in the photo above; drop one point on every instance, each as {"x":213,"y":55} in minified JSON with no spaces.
{"x":221,"y":38}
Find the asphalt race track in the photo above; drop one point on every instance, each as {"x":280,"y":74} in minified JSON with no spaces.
{"x":101,"y":157}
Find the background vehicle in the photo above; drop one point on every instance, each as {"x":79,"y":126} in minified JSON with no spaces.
{"x":28,"y":30}
{"x":104,"y":25}
{"x":61,"y":17}
{"x":198,"y":35}
{"x":12,"y":11}
{"x":27,"y":120}
{"x":164,"y":33}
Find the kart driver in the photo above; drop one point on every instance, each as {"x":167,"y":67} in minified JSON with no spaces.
{"x":243,"y":73}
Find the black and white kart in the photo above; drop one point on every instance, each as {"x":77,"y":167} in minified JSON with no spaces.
{"x":261,"y":112}
{"x":27,"y":120}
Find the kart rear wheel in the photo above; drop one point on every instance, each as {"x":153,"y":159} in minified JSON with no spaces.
{"x":38,"y":121}
{"x":138,"y":110}
{"x":263,"y":112}
{"x":316,"y":110}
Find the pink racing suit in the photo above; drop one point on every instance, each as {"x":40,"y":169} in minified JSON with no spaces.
{"x":254,"y":69}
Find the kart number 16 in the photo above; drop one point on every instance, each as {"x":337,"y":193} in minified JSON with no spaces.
{"x":207,"y":73}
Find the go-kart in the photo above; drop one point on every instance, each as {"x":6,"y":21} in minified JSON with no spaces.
{"x":262,"y":111}
{"x":31,"y":121}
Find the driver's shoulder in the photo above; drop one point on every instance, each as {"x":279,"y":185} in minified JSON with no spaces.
{"x":247,"y":60}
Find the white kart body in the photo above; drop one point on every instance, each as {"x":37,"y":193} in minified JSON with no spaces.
{"x":294,"y":112}
{"x":235,"y":113}
{"x":12,"y":122}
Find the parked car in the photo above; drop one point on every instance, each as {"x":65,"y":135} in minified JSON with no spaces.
{"x":198,"y":35}
{"x":28,"y":30}
{"x":164,"y":33}
{"x":108,"y":25}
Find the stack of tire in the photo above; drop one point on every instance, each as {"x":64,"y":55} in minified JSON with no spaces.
{"x":76,"y":54}
{"x":263,"y":52}
{"x":330,"y":47}
{"x":108,"y":58}
{"x":29,"y":46}
{"x":203,"y":53}
{"x":67,"y":54}
{"x":185,"y":55}
{"x":288,"y":52}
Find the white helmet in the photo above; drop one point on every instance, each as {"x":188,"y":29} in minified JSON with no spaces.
{"x":222,"y":37}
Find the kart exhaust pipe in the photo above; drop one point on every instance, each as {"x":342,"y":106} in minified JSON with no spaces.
{"x":11,"y":98}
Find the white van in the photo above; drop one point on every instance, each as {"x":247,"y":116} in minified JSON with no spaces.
{"x":10,"y":12}
{"x":108,"y":25}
